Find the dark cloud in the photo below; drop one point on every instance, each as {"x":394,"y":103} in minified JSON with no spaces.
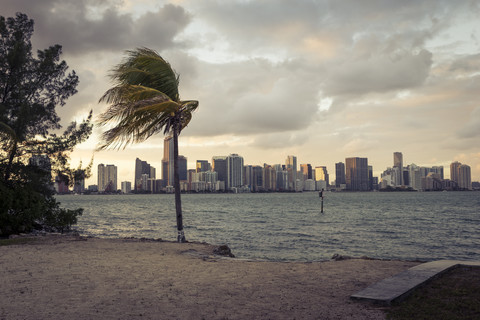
{"x":91,"y":25}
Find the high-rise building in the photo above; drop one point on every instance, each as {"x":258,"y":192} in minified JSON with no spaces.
{"x":398,"y":163}
{"x":307,"y":170}
{"x":141,"y":168}
{"x":126,"y":186}
{"x":107,"y":178}
{"x":291,"y":168}
{"x":167,"y":161}
{"x":356,"y":174}
{"x":321,"y":174}
{"x":339,"y":174}
{"x":182,"y":168}
{"x":464,"y":177}
{"x":234,"y":171}
{"x":219,"y":165}
{"x":202,"y":166}
{"x":454,"y":171}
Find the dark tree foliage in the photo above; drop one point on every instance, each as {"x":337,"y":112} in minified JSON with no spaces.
{"x":31,"y":87}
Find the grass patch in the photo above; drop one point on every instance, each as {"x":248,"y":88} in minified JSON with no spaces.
{"x":454,"y":295}
{"x":15,"y":241}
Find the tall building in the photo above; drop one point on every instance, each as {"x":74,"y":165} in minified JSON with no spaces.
{"x":182,"y":168}
{"x":234,"y":171}
{"x":321,"y":174}
{"x":219,"y":165}
{"x":141,"y":168}
{"x":398,"y":163}
{"x":356,"y":174}
{"x":464,"y":177}
{"x":306,"y":170}
{"x":454,"y":171}
{"x":339,"y":174}
{"x":126,"y":186}
{"x":291,"y":168}
{"x":167,"y":161}
{"x":202,"y":166}
{"x":107,"y":178}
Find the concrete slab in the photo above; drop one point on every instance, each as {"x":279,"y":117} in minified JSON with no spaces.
{"x":399,"y":286}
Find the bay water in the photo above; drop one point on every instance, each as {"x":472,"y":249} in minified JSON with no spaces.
{"x":290,"y":227}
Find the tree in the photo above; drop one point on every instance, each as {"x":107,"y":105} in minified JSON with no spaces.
{"x":144,"y":101}
{"x":30,"y":90}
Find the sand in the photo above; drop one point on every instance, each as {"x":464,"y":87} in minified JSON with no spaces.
{"x":68,"y":277}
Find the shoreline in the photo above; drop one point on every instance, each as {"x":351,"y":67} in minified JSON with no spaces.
{"x":78,"y":277}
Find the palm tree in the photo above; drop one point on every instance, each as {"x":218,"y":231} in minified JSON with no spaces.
{"x":143,"y":101}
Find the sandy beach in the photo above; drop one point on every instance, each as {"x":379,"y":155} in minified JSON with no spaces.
{"x":71,"y":277}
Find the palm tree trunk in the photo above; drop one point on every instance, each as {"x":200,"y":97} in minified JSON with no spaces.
{"x":176,"y":182}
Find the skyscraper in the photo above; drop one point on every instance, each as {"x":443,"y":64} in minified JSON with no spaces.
{"x":454,"y":171}
{"x":141,"y":168}
{"x":307,"y":170}
{"x":398,"y":163}
{"x":321,"y":174}
{"x":356,"y":174}
{"x":464,"y":177}
{"x":107,"y":178}
{"x":339,"y":174}
{"x":291,"y":168}
{"x":203,"y":165}
{"x":234,"y":171}
{"x":168,"y":161}
{"x":219,"y":165}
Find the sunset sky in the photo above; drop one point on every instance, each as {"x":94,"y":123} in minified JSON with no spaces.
{"x":321,"y":80}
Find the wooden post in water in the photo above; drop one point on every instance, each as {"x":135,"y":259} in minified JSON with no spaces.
{"x":321,"y":197}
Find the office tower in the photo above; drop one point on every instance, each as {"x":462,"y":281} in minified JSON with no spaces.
{"x":464,"y":177}
{"x":126,"y":186}
{"x":356,"y":174}
{"x":234,"y":171}
{"x":248,"y":176}
{"x":398,"y":163}
{"x":107,"y":178}
{"x":167,"y":161}
{"x":203,"y":165}
{"x":141,"y":168}
{"x":268,"y":173}
{"x":321,"y":174}
{"x":439,"y":170}
{"x":291,"y":168}
{"x":339,"y":174}
{"x":219,"y":165}
{"x":257,"y":182}
{"x":307,"y":171}
{"x":182,"y":168}
{"x":454,"y":171}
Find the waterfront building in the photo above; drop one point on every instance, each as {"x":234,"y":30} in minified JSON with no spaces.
{"x":339,"y":174}
{"x":219,"y":165}
{"x":107,"y":178}
{"x":306,"y":170}
{"x":126,"y":186}
{"x":398,"y":168}
{"x":321,"y":174}
{"x":356,"y":174}
{"x":234,"y":171}
{"x":464,"y":177}
{"x":167,"y":161}
{"x":309,"y":185}
{"x":454,"y":171}
{"x":291,"y":168}
{"x":141,"y":168}
{"x":61,"y":184}
{"x":203,"y":165}
{"x":269,"y":178}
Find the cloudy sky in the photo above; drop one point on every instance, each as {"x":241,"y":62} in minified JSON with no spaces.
{"x":321,"y":80}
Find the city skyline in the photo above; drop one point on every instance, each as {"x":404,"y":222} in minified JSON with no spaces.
{"x":356,"y":169}
{"x":320,"y":80}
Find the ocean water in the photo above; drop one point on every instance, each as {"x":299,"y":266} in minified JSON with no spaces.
{"x":289,"y":226}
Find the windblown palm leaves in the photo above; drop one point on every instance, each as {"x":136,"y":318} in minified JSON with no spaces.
{"x":143,"y":101}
